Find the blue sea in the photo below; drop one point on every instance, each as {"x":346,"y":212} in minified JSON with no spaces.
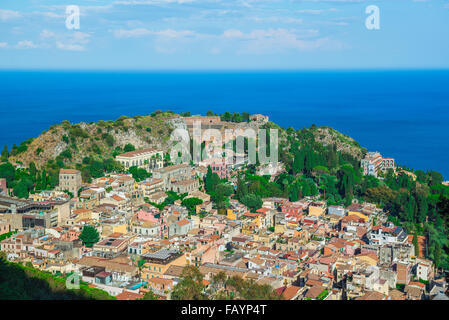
{"x":402,"y":114}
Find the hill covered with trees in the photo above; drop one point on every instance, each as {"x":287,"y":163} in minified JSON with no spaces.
{"x":318,"y":162}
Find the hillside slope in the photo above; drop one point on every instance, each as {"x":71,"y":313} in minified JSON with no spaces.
{"x":72,"y":142}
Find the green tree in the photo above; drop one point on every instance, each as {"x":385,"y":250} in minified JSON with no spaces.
{"x":220,"y":195}
{"x":5,"y":154}
{"x":346,"y":181}
{"x":89,"y":236}
{"x":109,"y":139}
{"x":23,"y":187}
{"x":226,"y":116}
{"x":436,"y":178}
{"x":415,"y":244}
{"x":295,"y":192}
{"x":211,"y":180}
{"x":245,"y":116}
{"x":7,"y":171}
{"x":129,"y":147}
{"x":319,"y":171}
{"x":150,"y":296}
{"x":252,"y":201}
{"x":249,"y":290}
{"x":190,"y":286}
{"x":242,"y":188}
{"x":191,"y":203}
{"x":437,"y":255}
{"x":139,"y":174}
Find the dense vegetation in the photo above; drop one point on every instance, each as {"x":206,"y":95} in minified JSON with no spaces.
{"x":192,"y":287}
{"x":24,"y":181}
{"x":18,"y":282}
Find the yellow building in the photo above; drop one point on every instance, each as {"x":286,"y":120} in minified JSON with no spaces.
{"x":368,"y":258}
{"x":230,"y":214}
{"x":316,"y":211}
{"x":251,"y":222}
{"x":265,"y":238}
{"x":358,"y":214}
{"x":158,"y":262}
{"x":279,"y":228}
{"x":110,"y":228}
{"x":85,"y":214}
{"x":292,"y":225}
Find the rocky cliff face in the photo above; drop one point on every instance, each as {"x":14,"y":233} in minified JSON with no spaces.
{"x":70,"y":143}
{"x":344,"y":143}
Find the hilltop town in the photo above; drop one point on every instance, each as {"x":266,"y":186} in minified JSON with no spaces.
{"x":328,"y":221}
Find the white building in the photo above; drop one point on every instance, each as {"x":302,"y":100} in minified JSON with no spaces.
{"x":148,"y":159}
{"x":381,"y":235}
{"x":373,"y":163}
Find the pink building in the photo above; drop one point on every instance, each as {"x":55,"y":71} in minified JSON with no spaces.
{"x":70,"y":235}
{"x":221,"y":169}
{"x":290,"y":207}
{"x":218,"y":166}
{"x":147,"y":216}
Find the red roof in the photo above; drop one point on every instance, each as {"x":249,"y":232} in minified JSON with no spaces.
{"x":183,"y":222}
{"x":127,"y":295}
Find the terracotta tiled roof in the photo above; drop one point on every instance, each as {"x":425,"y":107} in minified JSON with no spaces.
{"x":290,"y":292}
{"x":183,"y":222}
{"x":127,"y":295}
{"x":68,"y":171}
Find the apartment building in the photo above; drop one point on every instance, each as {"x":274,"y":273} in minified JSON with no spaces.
{"x":218,"y":166}
{"x":158,"y":262}
{"x":151,"y":186}
{"x":70,"y":180}
{"x":185,"y":186}
{"x":149,"y":159}
{"x":23,"y":214}
{"x":381,"y":235}
{"x":178,"y":172}
{"x":373,"y":163}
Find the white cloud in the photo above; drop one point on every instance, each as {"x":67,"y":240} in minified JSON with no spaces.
{"x":3,"y":44}
{"x":233,"y":33}
{"x":278,"y":40}
{"x":49,"y":14}
{"x":277,"y":19}
{"x":81,"y":37}
{"x":150,"y":2}
{"x":316,"y":11}
{"x":139,"y":32}
{"x":70,"y":46}
{"x":76,"y":42}
{"x":9,"y":15}
{"x":121,"y":33}
{"x":45,"y":34}
{"x":26,"y":44}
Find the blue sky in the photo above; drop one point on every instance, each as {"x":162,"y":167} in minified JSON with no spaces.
{"x":224,"y":34}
